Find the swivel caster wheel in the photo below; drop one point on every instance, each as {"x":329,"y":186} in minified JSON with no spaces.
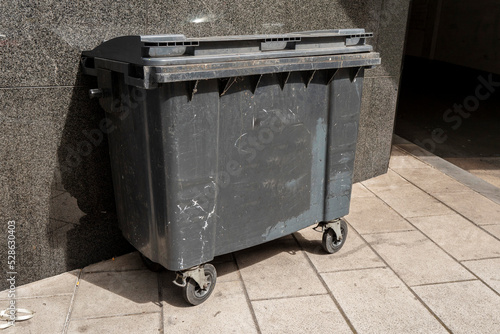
{"x":332,"y":242}
{"x":197,"y":283}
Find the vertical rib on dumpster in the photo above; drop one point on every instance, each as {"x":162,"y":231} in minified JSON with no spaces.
{"x":345,"y":104}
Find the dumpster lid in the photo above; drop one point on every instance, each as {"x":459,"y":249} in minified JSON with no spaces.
{"x":160,"y":50}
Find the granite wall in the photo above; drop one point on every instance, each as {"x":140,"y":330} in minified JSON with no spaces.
{"x":62,"y":202}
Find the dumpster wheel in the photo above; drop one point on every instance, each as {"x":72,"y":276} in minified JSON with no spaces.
{"x":192,"y":291}
{"x":331,"y":242}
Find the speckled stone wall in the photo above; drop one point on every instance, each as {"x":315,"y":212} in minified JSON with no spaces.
{"x":63,"y":202}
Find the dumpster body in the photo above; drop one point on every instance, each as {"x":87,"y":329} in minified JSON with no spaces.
{"x":219,"y":144}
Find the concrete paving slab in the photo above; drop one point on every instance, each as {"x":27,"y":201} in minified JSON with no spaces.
{"x":376,"y":301}
{"x":226,"y":271}
{"x":465,"y":307}
{"x":464,"y":177}
{"x":493,"y":229}
{"x":310,"y":314}
{"x":50,"y":315}
{"x":416,"y":259}
{"x":459,"y":237}
{"x":488,"y":270}
{"x":372,"y":215}
{"x":431,"y":180}
{"x":490,"y":176}
{"x":131,"y":261}
{"x":149,"y":323}
{"x":359,"y":190}
{"x":487,"y":168}
{"x":413,"y":202}
{"x":355,"y":254}
{"x":116,"y":293}
{"x":472,"y":205}
{"x":404,"y":197}
{"x":401,"y":159}
{"x":226,"y":311}
{"x":277,"y":269}
{"x":63,"y":284}
{"x":388,"y":182}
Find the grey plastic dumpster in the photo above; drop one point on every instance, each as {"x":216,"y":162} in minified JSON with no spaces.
{"x":219,"y":144}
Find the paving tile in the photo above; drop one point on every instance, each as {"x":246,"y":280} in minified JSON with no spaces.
{"x":264,"y":268}
{"x":131,"y":261}
{"x":372,"y":215}
{"x":459,"y":237}
{"x":310,"y":314}
{"x":226,"y":271}
{"x":50,"y":315}
{"x":226,"y":311}
{"x":466,"y":178}
{"x":490,"y":176}
{"x":388,"y":182}
{"x":488,"y":270}
{"x":413,"y":202}
{"x":401,"y":159}
{"x":404,"y":197}
{"x":473,"y":165}
{"x":115,"y":293}
{"x":472,"y":205}
{"x":62,"y":284}
{"x":431,"y":180}
{"x":487,"y":169}
{"x":137,"y":323}
{"x":416,"y":259}
{"x":359,"y":190}
{"x":355,"y":254}
{"x":493,"y":229}
{"x":376,"y":301}
{"x":465,"y":307}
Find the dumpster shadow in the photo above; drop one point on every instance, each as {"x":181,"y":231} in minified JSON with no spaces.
{"x":172,"y":294}
{"x":125,"y":276}
{"x":227,"y":270}
{"x":312,"y":244}
{"x":228,"y":267}
{"x":83,"y":227}
{"x":259,"y":253}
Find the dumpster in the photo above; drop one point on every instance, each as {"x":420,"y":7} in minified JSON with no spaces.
{"x":222,"y":143}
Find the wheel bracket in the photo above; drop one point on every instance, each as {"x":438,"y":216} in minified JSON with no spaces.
{"x":335,"y":226}
{"x":196,"y":273}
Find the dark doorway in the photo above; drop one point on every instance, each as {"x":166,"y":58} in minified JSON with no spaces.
{"x":449,"y":100}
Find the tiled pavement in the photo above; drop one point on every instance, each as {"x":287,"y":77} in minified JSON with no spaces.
{"x":422,"y":256}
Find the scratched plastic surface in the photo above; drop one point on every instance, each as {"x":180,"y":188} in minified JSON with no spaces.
{"x":210,"y":165}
